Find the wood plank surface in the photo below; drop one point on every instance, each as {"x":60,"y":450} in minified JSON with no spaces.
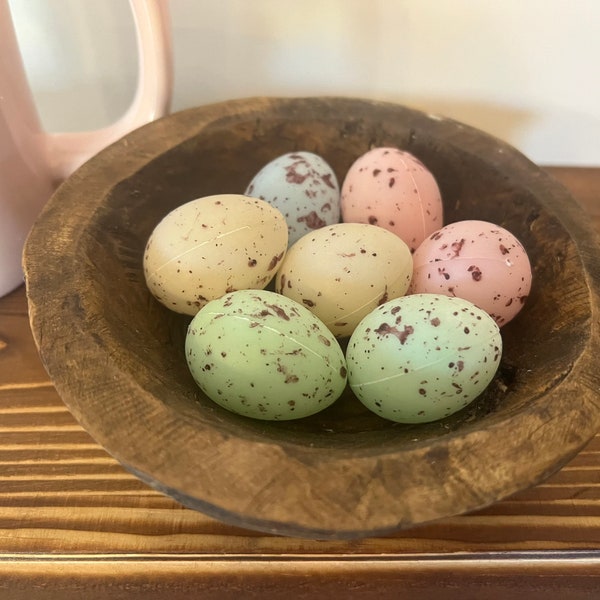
{"x":75,"y":524}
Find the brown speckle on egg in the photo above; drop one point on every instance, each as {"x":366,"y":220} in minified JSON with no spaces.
{"x":385,"y":329}
{"x":274,"y":261}
{"x":312,"y":220}
{"x":324,"y":340}
{"x":475,"y":272}
{"x":457,"y":247}
{"x":279,"y":311}
{"x":328,"y":181}
{"x":292,"y":175}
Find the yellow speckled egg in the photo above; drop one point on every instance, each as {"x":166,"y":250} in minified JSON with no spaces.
{"x":213,"y":245}
{"x":343,"y":271}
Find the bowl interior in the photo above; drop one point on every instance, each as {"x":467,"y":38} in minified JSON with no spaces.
{"x":117,"y":356}
{"x":223,"y":159}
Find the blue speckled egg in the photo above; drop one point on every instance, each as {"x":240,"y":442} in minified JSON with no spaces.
{"x":303,"y":187}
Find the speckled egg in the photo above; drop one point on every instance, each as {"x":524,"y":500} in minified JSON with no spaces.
{"x":423,"y":357}
{"x":303,"y":187}
{"x":211,"y":246}
{"x":261,"y":355}
{"x":343,"y":271}
{"x":478,"y":261}
{"x":393,"y":189}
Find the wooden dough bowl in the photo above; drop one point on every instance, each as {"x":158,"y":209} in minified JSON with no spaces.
{"x":116,"y":356}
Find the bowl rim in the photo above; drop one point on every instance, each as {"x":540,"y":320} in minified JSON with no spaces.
{"x":309,"y":503}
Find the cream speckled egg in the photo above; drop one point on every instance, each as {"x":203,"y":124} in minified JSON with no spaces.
{"x":478,"y":261}
{"x":423,"y":357}
{"x":303,"y":187}
{"x":343,"y":271}
{"x":211,"y":246}
{"x":393,"y":189}
{"x":261,"y":355}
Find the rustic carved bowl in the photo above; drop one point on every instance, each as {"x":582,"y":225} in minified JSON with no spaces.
{"x":116,"y":356}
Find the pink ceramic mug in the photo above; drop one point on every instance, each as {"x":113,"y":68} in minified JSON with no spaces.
{"x":33,"y":162}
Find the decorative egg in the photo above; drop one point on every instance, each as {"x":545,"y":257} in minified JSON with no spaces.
{"x":343,"y":271}
{"x":303,"y":187}
{"x":262,"y":355}
{"x":423,"y":357}
{"x":478,"y":261}
{"x":393,"y":189}
{"x":211,"y":246}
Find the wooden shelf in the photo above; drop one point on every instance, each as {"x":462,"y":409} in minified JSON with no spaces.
{"x":75,"y":524}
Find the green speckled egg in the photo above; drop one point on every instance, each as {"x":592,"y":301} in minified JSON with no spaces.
{"x":261,"y":355}
{"x":422,"y":357}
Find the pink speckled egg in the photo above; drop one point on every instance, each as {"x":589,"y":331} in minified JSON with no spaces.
{"x":393,"y":189}
{"x":477,"y":261}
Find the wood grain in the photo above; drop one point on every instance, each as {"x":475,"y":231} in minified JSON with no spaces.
{"x":74,"y":523}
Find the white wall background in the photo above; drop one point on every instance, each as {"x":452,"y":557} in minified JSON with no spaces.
{"x":527,"y":71}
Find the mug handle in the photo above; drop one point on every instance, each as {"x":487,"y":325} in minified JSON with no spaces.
{"x":67,"y":151}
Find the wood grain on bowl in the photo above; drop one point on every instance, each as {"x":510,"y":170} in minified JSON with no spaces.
{"x":116,"y":356}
